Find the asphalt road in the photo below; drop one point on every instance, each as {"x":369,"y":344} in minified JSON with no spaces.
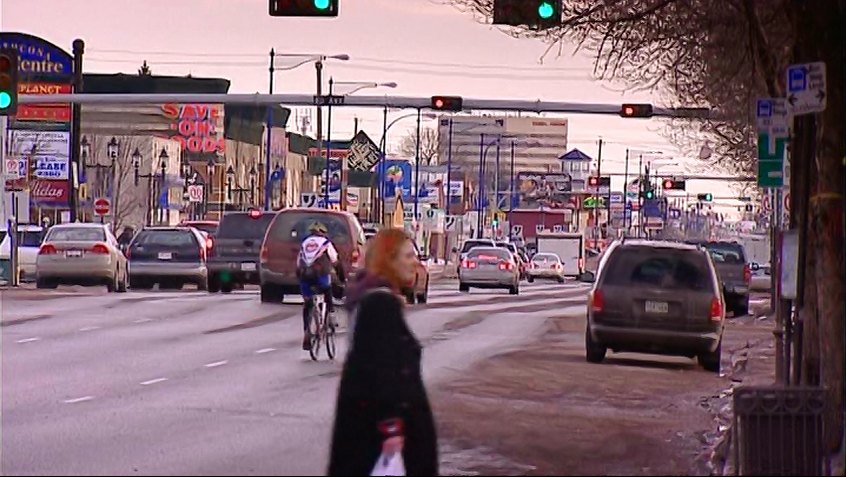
{"x":191,"y":383}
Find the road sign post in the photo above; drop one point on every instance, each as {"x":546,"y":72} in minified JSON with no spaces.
{"x":806,"y":88}
{"x":771,"y":160}
{"x":102,"y":207}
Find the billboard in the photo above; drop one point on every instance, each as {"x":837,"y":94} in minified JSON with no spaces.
{"x":536,"y":126}
{"x":397,"y":177}
{"x":548,"y":190}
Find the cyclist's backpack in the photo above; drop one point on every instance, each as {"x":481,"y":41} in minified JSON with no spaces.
{"x":321,"y":266}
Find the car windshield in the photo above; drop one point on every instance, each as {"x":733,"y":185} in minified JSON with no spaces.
{"x":76,"y":234}
{"x":470,"y":244}
{"x":243,"y":226}
{"x":658,"y":268}
{"x":166,"y":238}
{"x":30,"y":238}
{"x":489,"y":254}
{"x":293,"y":227}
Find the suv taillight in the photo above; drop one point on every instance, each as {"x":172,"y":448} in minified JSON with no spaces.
{"x":356,"y":255}
{"x":716,"y":310}
{"x":597,"y":301}
{"x":265,"y":254}
{"x":747,"y":273}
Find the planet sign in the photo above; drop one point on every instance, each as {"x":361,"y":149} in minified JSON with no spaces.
{"x":102,"y":206}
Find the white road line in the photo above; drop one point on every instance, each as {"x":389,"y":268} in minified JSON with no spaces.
{"x":265,"y":350}
{"x":28,"y":340}
{"x":89,"y":328}
{"x":143,"y":320}
{"x":78,"y":400}
{"x":154,"y":381}
{"x":215,"y":365}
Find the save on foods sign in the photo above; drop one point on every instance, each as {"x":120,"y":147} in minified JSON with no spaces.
{"x":198,"y":128}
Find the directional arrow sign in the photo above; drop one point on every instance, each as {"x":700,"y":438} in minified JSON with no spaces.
{"x":771,"y":161}
{"x":806,"y":88}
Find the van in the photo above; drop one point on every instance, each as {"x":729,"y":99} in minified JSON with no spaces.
{"x":281,"y":248}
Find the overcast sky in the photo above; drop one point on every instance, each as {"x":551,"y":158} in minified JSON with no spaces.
{"x":425,"y":46}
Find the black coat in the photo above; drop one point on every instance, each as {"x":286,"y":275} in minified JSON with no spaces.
{"x":382,"y":380}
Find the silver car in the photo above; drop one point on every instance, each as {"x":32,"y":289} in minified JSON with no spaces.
{"x":546,"y":265}
{"x":81,"y":254}
{"x":489,"y":267}
{"x":169,"y":256}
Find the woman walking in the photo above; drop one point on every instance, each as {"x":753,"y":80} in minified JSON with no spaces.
{"x":382,"y":402}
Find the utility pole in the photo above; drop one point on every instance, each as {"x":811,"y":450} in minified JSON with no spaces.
{"x":597,"y":229}
{"x":626,"y":212}
{"x":318,"y":66}
{"x":267,"y":167}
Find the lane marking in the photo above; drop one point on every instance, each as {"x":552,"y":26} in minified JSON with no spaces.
{"x":90,"y":328}
{"x":265,"y":350}
{"x":28,"y":340}
{"x":154,"y":381}
{"x":143,"y":320}
{"x":78,"y":400}
{"x":215,"y":365}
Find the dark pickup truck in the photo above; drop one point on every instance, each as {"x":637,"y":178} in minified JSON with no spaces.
{"x":735,"y":274}
{"x":236,"y":250}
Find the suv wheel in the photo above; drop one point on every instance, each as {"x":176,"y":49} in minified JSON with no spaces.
{"x":463,"y":288}
{"x":269,"y":293}
{"x":214,"y":284}
{"x":409,"y":297}
{"x":46,"y":283}
{"x":741,"y":306}
{"x":595,"y":352}
{"x":711,"y":361}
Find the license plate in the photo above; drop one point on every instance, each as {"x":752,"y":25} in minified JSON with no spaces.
{"x":73,"y":253}
{"x":248,"y":267}
{"x":165,"y":256}
{"x":657,"y":307}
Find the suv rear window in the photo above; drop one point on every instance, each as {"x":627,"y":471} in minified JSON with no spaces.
{"x":166,"y":238}
{"x":726,"y":252}
{"x":242,"y":226}
{"x":292,"y":227}
{"x":662,"y":268}
{"x":474,"y":243}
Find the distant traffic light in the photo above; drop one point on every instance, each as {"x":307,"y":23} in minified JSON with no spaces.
{"x":447,"y":103}
{"x":649,"y":194}
{"x":670,"y":184}
{"x":593,"y":181}
{"x":304,"y":8}
{"x":540,"y":14}
{"x":636,"y":111}
{"x":709,"y":197}
{"x":8,"y":82}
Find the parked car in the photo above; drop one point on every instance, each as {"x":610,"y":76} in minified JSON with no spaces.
{"x":489,"y":267}
{"x":29,"y":239}
{"x":235,"y":250}
{"x":81,"y":254}
{"x":735,"y":274}
{"x":207,"y":226}
{"x":469,"y":245}
{"x":169,"y":257}
{"x":282,"y":246}
{"x":546,"y":265}
{"x":419,"y":290}
{"x":656,"y":297}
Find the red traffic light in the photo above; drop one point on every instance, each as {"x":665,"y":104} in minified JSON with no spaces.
{"x":593,"y":181}
{"x":636,"y":111}
{"x":668,"y":184}
{"x":447,"y":103}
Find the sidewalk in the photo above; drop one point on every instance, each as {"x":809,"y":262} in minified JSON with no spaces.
{"x":27,"y":292}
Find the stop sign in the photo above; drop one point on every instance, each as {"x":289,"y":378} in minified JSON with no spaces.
{"x":102,"y":206}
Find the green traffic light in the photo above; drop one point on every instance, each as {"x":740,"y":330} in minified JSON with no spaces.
{"x":5,"y":100}
{"x":546,"y":10}
{"x":650,"y":195}
{"x":321,"y":4}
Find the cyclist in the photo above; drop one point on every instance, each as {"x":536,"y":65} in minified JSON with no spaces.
{"x":317,"y":258}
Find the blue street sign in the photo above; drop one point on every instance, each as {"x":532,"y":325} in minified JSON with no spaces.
{"x":798,"y":80}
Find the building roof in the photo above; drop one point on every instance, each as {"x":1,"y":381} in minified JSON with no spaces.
{"x":575,"y":155}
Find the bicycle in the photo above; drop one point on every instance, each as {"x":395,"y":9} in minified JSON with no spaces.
{"x":321,"y":329}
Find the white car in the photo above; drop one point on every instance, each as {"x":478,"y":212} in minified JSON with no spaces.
{"x":546,"y":265}
{"x":29,"y":241}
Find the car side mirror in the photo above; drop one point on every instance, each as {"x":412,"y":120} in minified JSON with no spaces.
{"x":754,"y":267}
{"x":587,"y":277}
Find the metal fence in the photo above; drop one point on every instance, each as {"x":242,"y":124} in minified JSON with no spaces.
{"x":779,"y":431}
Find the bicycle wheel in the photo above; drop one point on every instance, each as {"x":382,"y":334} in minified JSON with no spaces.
{"x":329,"y":333}
{"x":316,"y":329}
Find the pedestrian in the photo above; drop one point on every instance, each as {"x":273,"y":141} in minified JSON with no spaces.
{"x":125,"y":237}
{"x":382,"y":403}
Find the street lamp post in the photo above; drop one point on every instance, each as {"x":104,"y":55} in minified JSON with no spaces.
{"x":209,"y":186}
{"x":136,"y":165}
{"x":163,"y":192}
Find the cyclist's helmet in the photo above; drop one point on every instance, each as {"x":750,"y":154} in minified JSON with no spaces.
{"x":317,"y":228}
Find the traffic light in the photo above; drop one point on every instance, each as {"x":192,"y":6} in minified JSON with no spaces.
{"x":540,"y":14}
{"x":8,"y":82}
{"x":447,"y":103}
{"x":670,"y":184}
{"x":593,"y":181}
{"x":304,"y":8}
{"x":709,"y":197}
{"x":636,"y":111}
{"x":649,"y":194}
